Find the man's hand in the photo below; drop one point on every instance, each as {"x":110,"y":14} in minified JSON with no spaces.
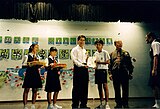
{"x":130,"y":76}
{"x":154,"y":72}
{"x":86,"y":66}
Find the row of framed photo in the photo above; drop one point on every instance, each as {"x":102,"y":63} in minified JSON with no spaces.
{"x":17,"y":54}
{"x":52,"y":40}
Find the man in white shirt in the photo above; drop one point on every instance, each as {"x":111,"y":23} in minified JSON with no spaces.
{"x":80,"y":75}
{"x":154,"y":80}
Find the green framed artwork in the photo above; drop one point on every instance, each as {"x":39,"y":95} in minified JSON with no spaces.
{"x":103,"y":39}
{"x":17,"y":40}
{"x":70,"y":53}
{"x":65,"y":41}
{"x":0,"y":39}
{"x":93,"y":51}
{"x":42,"y":53}
{"x":50,"y":40}
{"x":109,"y":41}
{"x":26,"y":40}
{"x":25,"y":51}
{"x":4,"y":54}
{"x":93,"y":40}
{"x":8,"y":39}
{"x":73,"y":41}
{"x":63,"y":53}
{"x":34,"y":40}
{"x":16,"y":54}
{"x":88,"y":41}
{"x":88,"y":51}
{"x":58,"y":40}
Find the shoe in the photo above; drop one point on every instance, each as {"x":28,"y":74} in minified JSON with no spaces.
{"x":85,"y":108}
{"x":33,"y":107}
{"x":50,"y":106}
{"x":75,"y":108}
{"x":107,"y":107}
{"x":155,"y":106}
{"x":25,"y":107}
{"x":125,"y":106}
{"x":57,"y":107}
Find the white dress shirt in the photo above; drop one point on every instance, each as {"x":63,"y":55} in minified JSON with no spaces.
{"x":156,"y":48}
{"x":102,"y":57}
{"x":79,"y":56}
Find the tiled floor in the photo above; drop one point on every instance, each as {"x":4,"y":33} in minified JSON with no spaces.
{"x":142,"y":103}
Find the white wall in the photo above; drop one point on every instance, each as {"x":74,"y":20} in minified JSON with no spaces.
{"x":132,"y":34}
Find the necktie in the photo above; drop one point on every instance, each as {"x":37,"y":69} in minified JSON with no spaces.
{"x":118,"y":58}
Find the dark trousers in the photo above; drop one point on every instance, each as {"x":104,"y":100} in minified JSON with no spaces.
{"x":121,"y":81}
{"x":80,"y":87}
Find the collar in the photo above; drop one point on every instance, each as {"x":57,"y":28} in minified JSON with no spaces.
{"x":32,"y":54}
{"x":101,"y":51}
{"x":52,"y":57}
{"x":80,"y":47}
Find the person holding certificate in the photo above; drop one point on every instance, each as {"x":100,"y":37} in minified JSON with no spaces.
{"x":80,"y":75}
{"x":102,"y":59}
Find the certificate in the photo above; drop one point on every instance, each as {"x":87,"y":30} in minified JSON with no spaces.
{"x":91,"y":62}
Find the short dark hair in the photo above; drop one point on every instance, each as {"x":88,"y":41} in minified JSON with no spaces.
{"x":81,"y":36}
{"x":99,"y":41}
{"x":53,"y":49}
{"x":151,"y":34}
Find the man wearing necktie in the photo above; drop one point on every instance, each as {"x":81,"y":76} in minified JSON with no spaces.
{"x":121,"y":71}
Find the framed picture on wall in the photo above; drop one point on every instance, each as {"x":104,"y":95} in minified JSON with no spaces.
{"x":66,"y":41}
{"x":4,"y":54}
{"x":70,"y":53}
{"x":50,"y":40}
{"x":34,"y":40}
{"x":42,"y":53}
{"x":93,"y":51}
{"x":64,"y":53}
{"x":16,"y":54}
{"x":109,"y":41}
{"x":93,"y":40}
{"x":88,"y":51}
{"x":58,"y":40}
{"x":25,"y":51}
{"x":73,"y":41}
{"x":8,"y":39}
{"x":88,"y":41}
{"x":17,"y":40}
{"x":26,"y":40}
{"x":0,"y":39}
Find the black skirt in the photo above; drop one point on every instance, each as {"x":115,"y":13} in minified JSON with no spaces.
{"x":100,"y":76}
{"x":154,"y":80}
{"x":32,"y":78}
{"x":52,"y":81}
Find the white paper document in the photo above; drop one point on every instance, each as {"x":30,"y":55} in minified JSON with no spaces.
{"x":91,"y":62}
